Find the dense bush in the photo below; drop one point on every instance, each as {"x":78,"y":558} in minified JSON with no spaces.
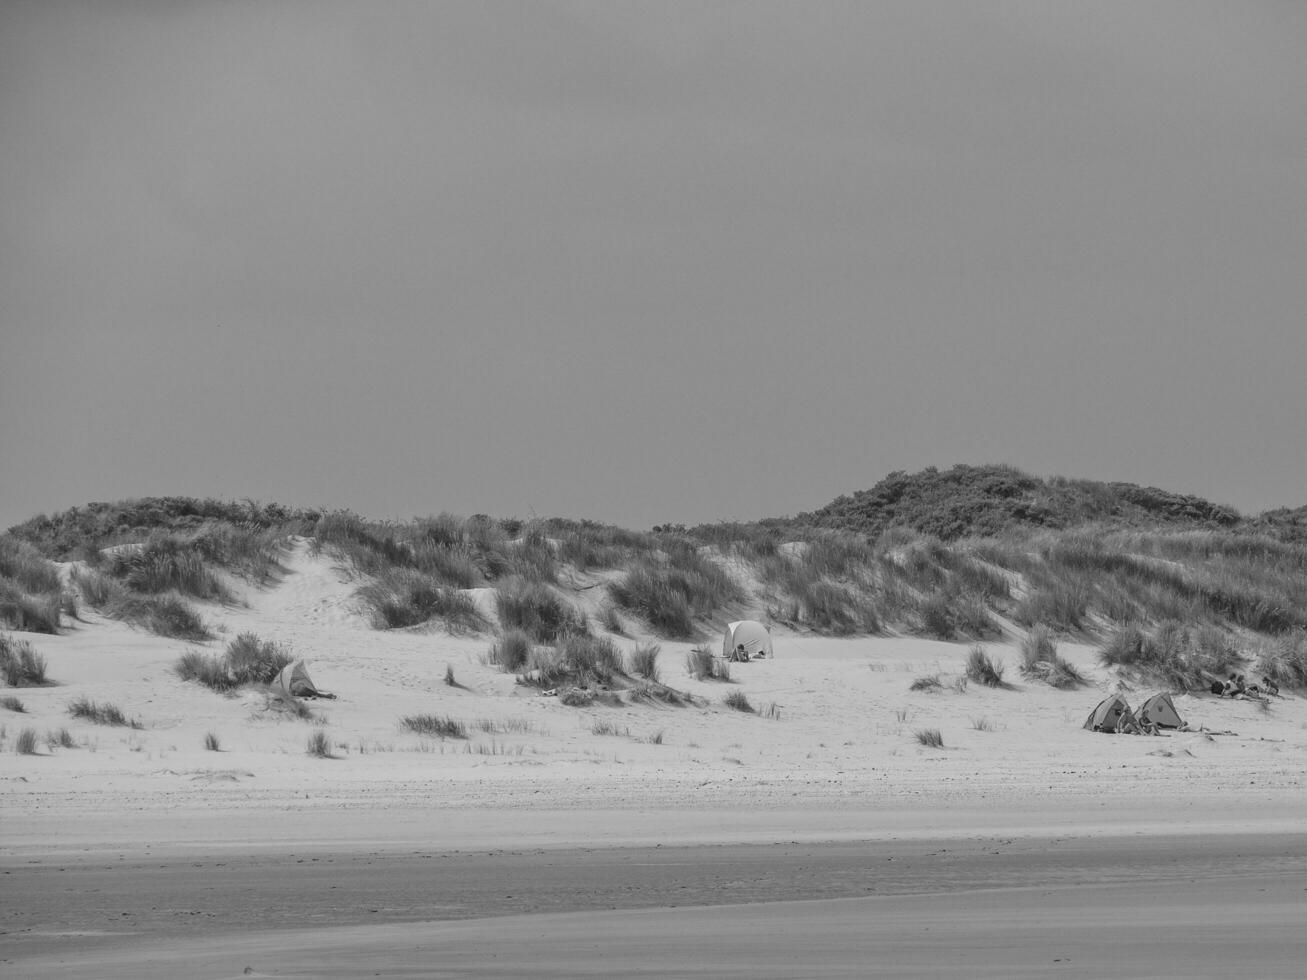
{"x":537,"y":610}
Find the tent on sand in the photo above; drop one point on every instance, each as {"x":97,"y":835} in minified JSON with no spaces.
{"x":1109,"y":714}
{"x":294,"y":682}
{"x":1159,"y":710}
{"x":749,"y":633}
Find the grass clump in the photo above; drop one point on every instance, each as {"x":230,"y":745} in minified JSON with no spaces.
{"x":319,"y":745}
{"x":434,"y":726}
{"x":703,"y":666}
{"x":25,"y":743}
{"x":982,"y":669}
{"x":930,"y":683}
{"x":1285,"y":662}
{"x":537,"y":610}
{"x":512,"y":651}
{"x":1180,"y":655}
{"x":671,"y":592}
{"x":644,"y":661}
{"x":251,"y":660}
{"x":165,"y":615}
{"x":212,"y":742}
{"x":11,"y":703}
{"x":402,"y":597}
{"x":736,"y":701}
{"x":32,"y":598}
{"x":929,"y":737}
{"x":167,"y":563}
{"x":102,"y":714}
{"x":62,"y":739}
{"x":20,"y":664}
{"x":247,"y":660}
{"x":1041,"y":661}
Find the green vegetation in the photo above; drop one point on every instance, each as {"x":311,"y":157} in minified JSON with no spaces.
{"x":736,"y":701}
{"x":982,"y":669}
{"x":434,"y":726}
{"x":929,"y":737}
{"x":32,"y":597}
{"x":20,"y":664}
{"x":247,"y":660}
{"x":101,"y":714}
{"x":948,"y":554}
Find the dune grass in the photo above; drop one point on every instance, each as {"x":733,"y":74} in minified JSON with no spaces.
{"x":670,"y":591}
{"x":101,"y":714}
{"x":401,"y":597}
{"x":703,"y":666}
{"x":211,"y":742}
{"x":165,"y":615}
{"x":32,"y":597}
{"x":1180,"y":655}
{"x":20,"y":664}
{"x":434,"y":726}
{"x":643,"y":661}
{"x":929,"y":737}
{"x":983,"y":669}
{"x":537,"y":610}
{"x":25,"y":743}
{"x":318,"y":745}
{"x":246,"y":660}
{"x":511,"y":651}
{"x":737,"y":701}
{"x":11,"y":703}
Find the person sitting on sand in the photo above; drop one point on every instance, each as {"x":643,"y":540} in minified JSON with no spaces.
{"x":741,"y":655}
{"x":1269,"y":685}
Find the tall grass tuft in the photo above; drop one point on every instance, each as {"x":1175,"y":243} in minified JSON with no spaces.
{"x":537,"y":610}
{"x":247,"y":660}
{"x":703,"y":666}
{"x":11,"y":703}
{"x":644,"y":661}
{"x":736,"y":701}
{"x":211,"y":742}
{"x":25,"y":743}
{"x":434,"y":726}
{"x":101,"y":714}
{"x":929,"y":737}
{"x":318,"y":745}
{"x":401,"y":597}
{"x":512,"y":651}
{"x":20,"y":664}
{"x":982,"y":669}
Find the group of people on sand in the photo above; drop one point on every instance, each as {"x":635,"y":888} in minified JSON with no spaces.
{"x":1237,"y":686}
{"x":740,"y":655}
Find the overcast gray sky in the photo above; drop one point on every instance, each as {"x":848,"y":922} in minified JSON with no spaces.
{"x":647,"y":262}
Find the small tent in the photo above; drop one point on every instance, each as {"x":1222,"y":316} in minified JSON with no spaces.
{"x":1109,"y":714}
{"x":752,"y":634}
{"x":1159,"y":710}
{"x":294,"y":682}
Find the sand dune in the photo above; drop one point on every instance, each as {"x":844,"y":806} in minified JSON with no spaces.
{"x":837,"y":761}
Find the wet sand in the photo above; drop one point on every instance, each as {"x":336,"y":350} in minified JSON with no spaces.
{"x":1135,"y":906}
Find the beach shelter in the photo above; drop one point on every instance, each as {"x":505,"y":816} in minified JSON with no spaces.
{"x":1159,"y":710}
{"x":1108,"y":714}
{"x":752,"y":634}
{"x":294,"y":682}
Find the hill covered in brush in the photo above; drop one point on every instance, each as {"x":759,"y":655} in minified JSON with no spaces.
{"x":983,"y":501}
{"x":1167,"y":583}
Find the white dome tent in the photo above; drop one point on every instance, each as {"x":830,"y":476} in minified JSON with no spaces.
{"x":749,"y":633}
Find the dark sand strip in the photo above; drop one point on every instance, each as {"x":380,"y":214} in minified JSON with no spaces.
{"x":1223,"y":904}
